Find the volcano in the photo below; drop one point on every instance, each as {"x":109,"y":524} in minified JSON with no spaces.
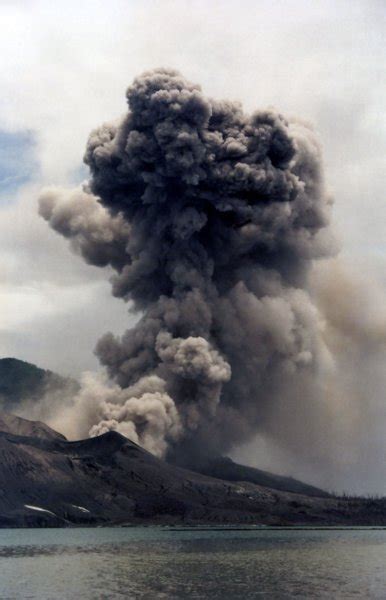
{"x":46,"y":481}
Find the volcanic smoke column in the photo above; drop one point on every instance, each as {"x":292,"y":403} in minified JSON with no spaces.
{"x":210,"y":219}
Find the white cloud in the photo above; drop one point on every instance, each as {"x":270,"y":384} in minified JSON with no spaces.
{"x":66,"y":69}
{"x":53,"y":307}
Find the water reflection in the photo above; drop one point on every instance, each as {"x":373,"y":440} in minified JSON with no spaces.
{"x":153,"y":563}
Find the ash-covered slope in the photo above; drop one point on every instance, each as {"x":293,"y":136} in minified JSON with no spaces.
{"x":23,"y":427}
{"x":48,"y":481}
{"x":225,"y":468}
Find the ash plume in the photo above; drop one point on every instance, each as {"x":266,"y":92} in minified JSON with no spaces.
{"x":211,"y":220}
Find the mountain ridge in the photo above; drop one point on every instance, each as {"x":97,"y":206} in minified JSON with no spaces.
{"x":225,"y":468}
{"x":46,"y":480}
{"x":21,"y":381}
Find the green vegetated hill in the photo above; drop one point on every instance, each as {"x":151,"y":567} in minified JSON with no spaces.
{"x":20,"y":380}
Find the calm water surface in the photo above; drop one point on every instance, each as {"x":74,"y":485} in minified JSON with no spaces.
{"x":160,"y":563}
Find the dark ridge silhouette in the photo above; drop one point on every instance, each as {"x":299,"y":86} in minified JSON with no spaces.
{"x":20,"y":381}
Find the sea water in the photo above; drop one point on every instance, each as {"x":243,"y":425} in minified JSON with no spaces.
{"x":157,"y":562}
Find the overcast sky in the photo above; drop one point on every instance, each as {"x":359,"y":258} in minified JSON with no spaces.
{"x":65,"y":68}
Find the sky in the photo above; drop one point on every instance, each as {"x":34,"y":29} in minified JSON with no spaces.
{"x":65,"y":69}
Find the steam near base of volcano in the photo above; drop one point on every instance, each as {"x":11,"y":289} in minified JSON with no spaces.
{"x":211,"y":220}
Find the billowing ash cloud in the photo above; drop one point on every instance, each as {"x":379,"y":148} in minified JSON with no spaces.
{"x":210,"y":219}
